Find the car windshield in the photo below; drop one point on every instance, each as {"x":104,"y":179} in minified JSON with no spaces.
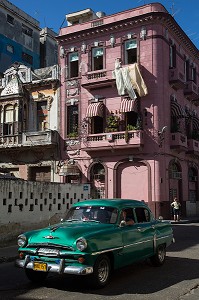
{"x":99,"y":214}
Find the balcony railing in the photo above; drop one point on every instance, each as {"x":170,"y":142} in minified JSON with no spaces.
{"x":176,"y":78}
{"x":39,"y":138}
{"x":193,"y":146}
{"x":116,"y":140}
{"x":191,"y":90}
{"x":10,"y":141}
{"x":178,"y":141}
{"x":96,"y":79}
{"x":28,"y":139}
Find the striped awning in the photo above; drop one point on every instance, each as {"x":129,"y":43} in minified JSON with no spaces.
{"x":195,"y":123}
{"x":128,"y":105}
{"x":177,"y":110}
{"x":95,"y":109}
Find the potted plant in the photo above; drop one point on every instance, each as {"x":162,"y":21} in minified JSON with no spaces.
{"x":112,"y":123}
{"x":73,"y":134}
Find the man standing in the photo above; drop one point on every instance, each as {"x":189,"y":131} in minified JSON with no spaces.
{"x":176,"y":209}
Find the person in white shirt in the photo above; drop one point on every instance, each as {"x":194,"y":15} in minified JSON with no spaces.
{"x":176,"y":209}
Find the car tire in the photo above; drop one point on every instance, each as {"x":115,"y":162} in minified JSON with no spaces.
{"x":36,"y":276}
{"x":101,"y":271}
{"x":158,"y":259}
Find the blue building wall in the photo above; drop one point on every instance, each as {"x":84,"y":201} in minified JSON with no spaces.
{"x":7,"y":58}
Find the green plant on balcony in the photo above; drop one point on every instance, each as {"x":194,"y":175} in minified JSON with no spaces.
{"x":112,"y":123}
{"x":131,"y":127}
{"x":73,"y":134}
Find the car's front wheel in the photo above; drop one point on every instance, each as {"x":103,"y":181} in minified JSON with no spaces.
{"x":159,"y":258}
{"x":36,"y":276}
{"x":101,"y":271}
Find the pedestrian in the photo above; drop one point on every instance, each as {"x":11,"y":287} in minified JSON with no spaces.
{"x":176,"y":209}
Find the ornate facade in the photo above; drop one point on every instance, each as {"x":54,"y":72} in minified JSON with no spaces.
{"x":29,"y":139}
{"x":129,"y":115}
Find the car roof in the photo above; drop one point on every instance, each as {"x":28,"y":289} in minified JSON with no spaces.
{"x":116,"y":202}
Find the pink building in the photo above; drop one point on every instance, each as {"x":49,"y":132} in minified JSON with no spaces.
{"x":129,"y":115}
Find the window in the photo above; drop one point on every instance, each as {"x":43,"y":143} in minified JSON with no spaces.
{"x":186,"y":69}
{"x":130,"y":56}
{"x":172,"y":56}
{"x":72,"y":120}
{"x":10,"y":19}
{"x":193,"y":175}
{"x":10,"y":48}
{"x":96,"y":125}
{"x":27,"y":58}
{"x":142,"y":214}
{"x":97,"y":59}
{"x":9,"y":118}
{"x":193,"y":74}
{"x":42,"y":116}
{"x":192,"y":196}
{"x":26,"y":30}
{"x":131,"y":120}
{"x":73,"y":64}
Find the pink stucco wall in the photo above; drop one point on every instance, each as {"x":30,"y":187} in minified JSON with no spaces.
{"x":146,"y":177}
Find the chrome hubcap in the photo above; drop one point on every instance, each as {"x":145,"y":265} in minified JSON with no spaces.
{"x":103,"y":271}
{"x":161,"y":254}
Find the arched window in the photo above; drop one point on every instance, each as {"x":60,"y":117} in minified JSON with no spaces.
{"x":98,"y":181}
{"x":174,"y":171}
{"x":193,"y":174}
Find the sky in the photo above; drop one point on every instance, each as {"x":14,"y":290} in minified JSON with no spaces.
{"x":52,"y":13}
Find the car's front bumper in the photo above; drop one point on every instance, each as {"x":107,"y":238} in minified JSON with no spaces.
{"x":56,"y":268}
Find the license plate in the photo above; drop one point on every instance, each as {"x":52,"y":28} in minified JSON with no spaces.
{"x":40,"y":267}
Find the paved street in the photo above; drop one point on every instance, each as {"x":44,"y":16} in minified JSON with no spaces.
{"x":178,"y":279}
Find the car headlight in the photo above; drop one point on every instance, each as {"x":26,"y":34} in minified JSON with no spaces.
{"x":81,"y":244}
{"x":21,"y":240}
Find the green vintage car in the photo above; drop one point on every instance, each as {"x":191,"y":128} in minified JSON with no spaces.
{"x":95,"y":237}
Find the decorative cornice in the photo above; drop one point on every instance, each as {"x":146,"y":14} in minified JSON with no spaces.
{"x":149,"y":18}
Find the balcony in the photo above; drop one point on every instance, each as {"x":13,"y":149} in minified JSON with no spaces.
{"x":114,"y":140}
{"x":191,"y":90}
{"x":176,"y":79}
{"x":10,"y":141}
{"x":40,"y":138}
{"x":97,"y":79}
{"x":29,"y":139}
{"x":178,"y":141}
{"x":193,"y":146}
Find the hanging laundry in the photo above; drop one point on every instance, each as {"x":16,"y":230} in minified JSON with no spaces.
{"x":123,"y":80}
{"x":137,"y":80}
{"x":117,"y":75}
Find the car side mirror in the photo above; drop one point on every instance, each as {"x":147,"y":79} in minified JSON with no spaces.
{"x":122,"y":223}
{"x":160,"y":218}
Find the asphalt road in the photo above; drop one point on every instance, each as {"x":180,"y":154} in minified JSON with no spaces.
{"x":178,"y":279}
